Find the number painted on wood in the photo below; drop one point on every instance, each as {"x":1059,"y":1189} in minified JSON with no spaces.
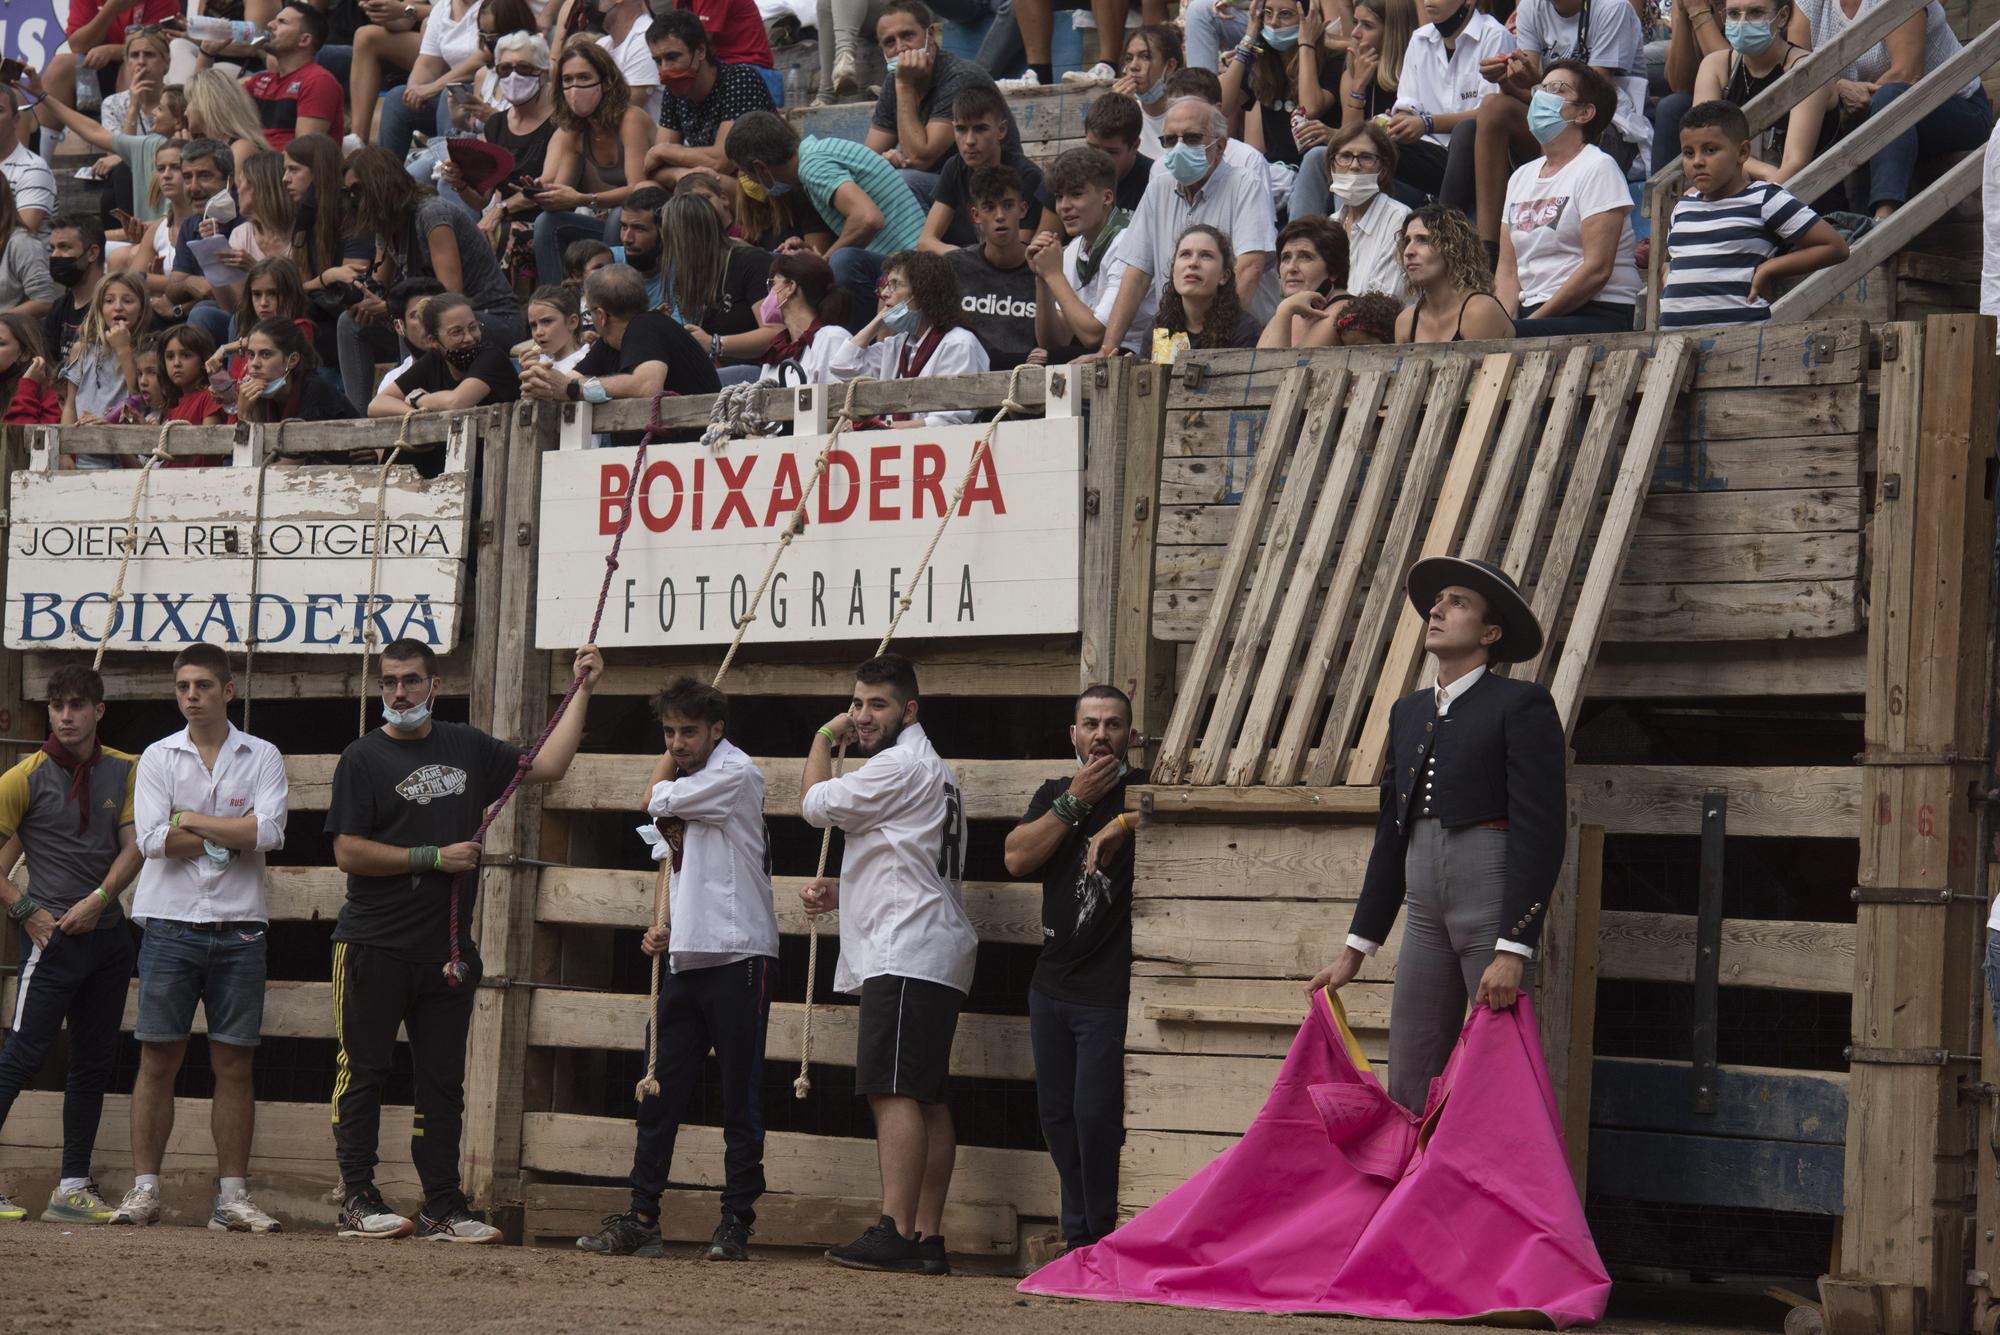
{"x":1882,"y":816}
{"x":1926,"y":821}
{"x":1895,"y":701}
{"x":1960,"y":850}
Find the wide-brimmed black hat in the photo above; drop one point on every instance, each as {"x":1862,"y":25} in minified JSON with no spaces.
{"x":1520,"y":634}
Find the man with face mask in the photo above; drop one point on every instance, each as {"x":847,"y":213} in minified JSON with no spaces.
{"x":703,"y":99}
{"x":76,"y":262}
{"x":459,"y":371}
{"x":1078,"y":837}
{"x":906,"y":948}
{"x":407,"y":799}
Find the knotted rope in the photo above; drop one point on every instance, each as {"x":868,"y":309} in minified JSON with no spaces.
{"x":152,"y":461}
{"x":734,"y":413}
{"x":1008,"y":406}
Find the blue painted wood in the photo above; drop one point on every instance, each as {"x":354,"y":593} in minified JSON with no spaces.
{"x":1712,"y":1171}
{"x":1754,"y":1104}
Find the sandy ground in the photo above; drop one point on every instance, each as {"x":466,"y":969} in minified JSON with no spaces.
{"x":178,"y":1278}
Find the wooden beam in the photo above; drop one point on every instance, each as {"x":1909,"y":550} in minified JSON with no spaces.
{"x":1153,"y":1163}
{"x":1175,"y":859}
{"x":1141,"y":665}
{"x":1240,"y":1017}
{"x":992,"y":789}
{"x":1793,"y":1176}
{"x":1725,"y":669}
{"x":1756,"y":952}
{"x":1888,"y":237}
{"x":1165,"y":1092}
{"x":1752,"y":1102}
{"x":1103,"y":476}
{"x":999,"y":667}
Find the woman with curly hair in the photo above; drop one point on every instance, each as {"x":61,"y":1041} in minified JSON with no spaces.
{"x":916,"y":330}
{"x":597,"y":156}
{"x":1446,"y":267}
{"x":1200,"y":308}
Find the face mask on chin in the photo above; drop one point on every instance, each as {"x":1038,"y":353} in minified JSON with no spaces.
{"x":414,"y":717}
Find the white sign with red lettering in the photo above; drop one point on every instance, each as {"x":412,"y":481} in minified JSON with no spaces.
{"x":707,"y":524}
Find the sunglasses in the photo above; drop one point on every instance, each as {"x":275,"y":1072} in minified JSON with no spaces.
{"x":517,"y":68}
{"x":1193,"y":139}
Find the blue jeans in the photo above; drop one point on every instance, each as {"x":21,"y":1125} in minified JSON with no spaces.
{"x":220,"y":965}
{"x":923,"y":185}
{"x":553,"y":234}
{"x":211,"y":317}
{"x":1667,"y":118}
{"x":1208,"y":32}
{"x":1993,"y":974}
{"x":1080,"y":1091}
{"x":424,"y":162}
{"x":339,"y":62}
{"x":1958,"y":126}
{"x":396,"y":123}
{"x":857,"y":270}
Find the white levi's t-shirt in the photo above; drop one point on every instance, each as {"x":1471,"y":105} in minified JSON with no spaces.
{"x":1544,"y":217}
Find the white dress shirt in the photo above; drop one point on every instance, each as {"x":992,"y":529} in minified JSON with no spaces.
{"x":1447,"y":82}
{"x":248,"y":779}
{"x":1372,"y":265}
{"x":721,"y":896}
{"x":899,"y":914}
{"x":1101,"y":292}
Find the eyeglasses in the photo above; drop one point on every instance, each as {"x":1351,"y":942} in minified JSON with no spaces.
{"x":489,"y":40}
{"x":1357,"y":162}
{"x":412,"y":681}
{"x":592,"y":82}
{"x":1562,"y":91}
{"x":1193,"y":139}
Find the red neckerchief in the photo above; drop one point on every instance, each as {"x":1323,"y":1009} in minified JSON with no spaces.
{"x":79,"y":777}
{"x":785,"y":346}
{"x":913,"y":359}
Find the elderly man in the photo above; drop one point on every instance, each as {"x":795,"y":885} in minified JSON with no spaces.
{"x":1201,"y":188}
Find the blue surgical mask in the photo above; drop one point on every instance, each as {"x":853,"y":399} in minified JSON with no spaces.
{"x":217,"y":854}
{"x":275,"y":388}
{"x":412,"y":718}
{"x":1186,"y":163}
{"x":1152,"y":95}
{"x":1749,"y":38}
{"x":1281,"y":39}
{"x":890,"y":64}
{"x":900,"y":318}
{"x":1545,"y":116}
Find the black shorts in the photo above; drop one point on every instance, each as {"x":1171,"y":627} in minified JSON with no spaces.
{"x":904,"y":1046}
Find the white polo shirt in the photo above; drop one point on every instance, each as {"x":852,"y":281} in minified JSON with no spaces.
{"x":901,"y":910}
{"x":1101,"y":292}
{"x":248,"y":779}
{"x":635,"y":61}
{"x":1446,"y":82}
{"x":721,"y":896}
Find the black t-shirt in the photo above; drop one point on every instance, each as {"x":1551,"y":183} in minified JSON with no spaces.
{"x":430,"y":791}
{"x":745,"y":280}
{"x":432,"y":374}
{"x":955,"y":176}
{"x":61,"y":325}
{"x":1132,"y":186}
{"x":652,"y":337}
{"x":529,"y":149}
{"x":1279,"y":146}
{"x":997,"y":305}
{"x":1089,"y":964}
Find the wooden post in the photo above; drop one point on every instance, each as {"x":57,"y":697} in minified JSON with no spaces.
{"x":1103,"y":485}
{"x":1141,"y":666}
{"x":1910,"y":1134}
{"x":488,"y":554}
{"x":1566,"y":984}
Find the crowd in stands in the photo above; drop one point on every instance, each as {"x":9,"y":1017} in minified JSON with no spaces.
{"x":569,"y":200}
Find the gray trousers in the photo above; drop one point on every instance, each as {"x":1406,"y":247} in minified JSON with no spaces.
{"x":1455,"y":880}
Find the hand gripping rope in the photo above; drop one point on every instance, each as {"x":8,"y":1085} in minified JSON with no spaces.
{"x":153,"y":460}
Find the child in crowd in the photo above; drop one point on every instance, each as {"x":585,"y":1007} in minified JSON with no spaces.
{"x":275,"y":291}
{"x":1732,"y":238}
{"x":997,"y":286}
{"x":1368,"y":318}
{"x":25,"y":374}
{"x":103,"y":364}
{"x":554,"y":327}
{"x":184,"y":351}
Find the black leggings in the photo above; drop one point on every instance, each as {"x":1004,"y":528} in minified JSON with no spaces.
{"x":1444,"y":174}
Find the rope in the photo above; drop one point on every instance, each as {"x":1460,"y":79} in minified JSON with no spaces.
{"x":734,"y":413}
{"x":153,"y":460}
{"x":803,"y":1085}
{"x":368,"y":608}
{"x":257,"y":576}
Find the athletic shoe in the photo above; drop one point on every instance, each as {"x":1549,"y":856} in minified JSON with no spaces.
{"x":1027,"y":80}
{"x":1098,"y":73}
{"x":11,"y":1213}
{"x":624,"y":1235}
{"x":730,"y":1241}
{"x":141,"y":1207}
{"x":366,"y":1216}
{"x":880,"y":1248}
{"x":85,"y":1205}
{"x":241,"y":1216}
{"x":846,"y":75}
{"x":931,"y":1249}
{"x":461,"y":1225}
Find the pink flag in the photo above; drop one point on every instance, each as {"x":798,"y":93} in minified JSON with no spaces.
{"x":1338,"y":1199}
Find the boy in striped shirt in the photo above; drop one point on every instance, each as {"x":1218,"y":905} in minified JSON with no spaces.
{"x":1732,"y":238}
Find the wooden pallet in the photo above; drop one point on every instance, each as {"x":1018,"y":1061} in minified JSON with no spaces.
{"x":1360,"y":472}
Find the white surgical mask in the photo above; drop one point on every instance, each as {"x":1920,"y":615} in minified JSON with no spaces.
{"x":412,"y":718}
{"x":1354,"y":188}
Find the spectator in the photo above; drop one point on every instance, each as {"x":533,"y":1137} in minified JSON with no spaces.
{"x":1757,"y":55}
{"x":1113,"y":127}
{"x":1368,"y":318}
{"x":996,"y":286}
{"x":273,"y":291}
{"x":296,"y":95}
{"x":134,"y":155}
{"x":717,"y":283}
{"x":555,"y":323}
{"x":1364,"y":161}
{"x":232,"y":57}
{"x":702,"y":102}
{"x":218,"y":108}
{"x":208,"y":166}
{"x":1604,"y":34}
{"x":1076,"y":285}
{"x":1699,"y":30}
{"x":1312,"y":285}
{"x":1724,"y":240}
{"x":911,"y":125}
{"x":1152,"y":56}
{"x":523,"y":129}
{"x":979,"y":130}
{"x":719,"y":194}
{"x":151,"y":253}
{"x":1885,"y":72}
{"x":460,"y":370}
{"x":638,"y":353}
{"x":131,"y":109}
{"x":1199,"y":307}
{"x":1201,"y":83}
{"x":598,"y":154}
{"x":406,"y":308}
{"x":737,"y":36}
{"x":917,"y":331}
{"x":96,"y":39}
{"x":184,"y":351}
{"x":1435,"y":120}
{"x":33,"y":183}
{"x":1281,"y":79}
{"x":807,"y":305}
{"x":448,"y":52}
{"x":583,"y":258}
{"x":868,"y":211}
{"x":25,"y":285}
{"x":330,"y":253}
{"x":1211,"y":25}
{"x":417,"y":233}
{"x":102,"y":368}
{"x":639,"y":237}
{"x":1203,"y":189}
{"x":1368,"y":83}
{"x":280,"y":384}
{"x":268,"y":215}
{"x":76,"y":263}
{"x":25,"y":372}
{"x":1445,"y":264}
{"x":390,"y":40}
{"x":1036,"y":19}
{"x":1566,"y":246}
{"x":626,"y":25}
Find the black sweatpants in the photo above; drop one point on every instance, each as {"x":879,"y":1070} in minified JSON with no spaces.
{"x":726,"y":1008}
{"x":1080,"y":1091}
{"x":81,"y":979}
{"x":374,"y":991}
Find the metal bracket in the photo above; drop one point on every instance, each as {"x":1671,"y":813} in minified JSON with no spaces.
{"x":1866,"y":1056}
{"x":574,"y":433}
{"x":1917,"y":758}
{"x":1892,"y":486}
{"x":1193,"y":376}
{"x":1823,"y":347}
{"x":1929,"y":896}
{"x":1708,"y":950}
{"x":1892,"y":345}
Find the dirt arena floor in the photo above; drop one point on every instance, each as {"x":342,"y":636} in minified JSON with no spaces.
{"x":188,"y":1279}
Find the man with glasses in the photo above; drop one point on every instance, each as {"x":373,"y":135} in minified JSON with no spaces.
{"x":296,"y":96}
{"x":407,"y":799}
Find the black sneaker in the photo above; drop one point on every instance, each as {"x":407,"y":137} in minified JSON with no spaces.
{"x":625,"y":1235}
{"x":880,"y":1248}
{"x":930,"y":1249}
{"x":730,"y":1241}
{"x":366,"y":1216}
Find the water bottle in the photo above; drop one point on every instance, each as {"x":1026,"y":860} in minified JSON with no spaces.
{"x":239,"y":32}
{"x":795,"y":87}
{"x":89,"y":97}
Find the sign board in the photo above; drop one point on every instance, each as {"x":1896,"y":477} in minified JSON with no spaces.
{"x":191,"y":574}
{"x":707,"y":525}
{"x":32,"y":30}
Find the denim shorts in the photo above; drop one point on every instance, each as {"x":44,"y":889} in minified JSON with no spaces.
{"x":220,"y":965}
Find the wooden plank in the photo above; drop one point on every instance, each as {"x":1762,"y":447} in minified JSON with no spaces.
{"x":1793,"y":1176}
{"x":1191,"y":860}
{"x":1888,"y":237}
{"x":1759,"y":463}
{"x":1588,"y":959}
{"x":1003,"y":667}
{"x":1282,"y":538}
{"x":1315,"y":669}
{"x":1103,"y":474}
{"x":1153,"y":1163}
{"x":1751,"y":1102}
{"x":1142,"y":667}
{"x":557,"y":1214}
{"x":1385,"y":595}
{"x":1240,"y":1017}
{"x":799,"y":1164}
{"x":1756,"y":952}
{"x":1547,"y":468}
{"x":1743,"y":558}
{"x":1724,"y":669}
{"x":1449,"y":513}
{"x":132,"y":676}
{"x":1165,"y":1092}
{"x":1322,"y":531}
{"x":992,"y":789}
{"x":295,"y":1134}
{"x":1527,"y":408}
{"x":870,"y":398}
{"x":1176,"y":744}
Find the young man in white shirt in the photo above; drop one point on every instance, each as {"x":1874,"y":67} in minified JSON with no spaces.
{"x":211,"y":800}
{"x":1077,"y":284}
{"x":707,"y":799}
{"x":1435,"y":119}
{"x":906,"y":947}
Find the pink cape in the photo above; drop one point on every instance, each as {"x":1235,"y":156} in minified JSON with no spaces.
{"x":1337,"y":1199}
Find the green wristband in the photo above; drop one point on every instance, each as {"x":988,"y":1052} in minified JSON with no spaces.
{"x":108,"y":900}
{"x":823,"y":731}
{"x":437,"y":859}
{"x":23,"y":909}
{"x":424,"y":857}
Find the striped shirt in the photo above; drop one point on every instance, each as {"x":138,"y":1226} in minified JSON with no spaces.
{"x":1714,"y":247}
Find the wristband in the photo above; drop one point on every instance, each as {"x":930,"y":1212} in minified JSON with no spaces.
{"x":1430,"y":125}
{"x":175,"y":823}
{"x":1124,"y":823}
{"x":99,"y":892}
{"x":23,"y":909}
{"x":437,"y":859}
{"x":824,"y":732}
{"x":424,"y":857}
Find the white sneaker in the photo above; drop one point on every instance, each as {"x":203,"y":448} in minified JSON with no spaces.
{"x":1027,"y":80}
{"x":239,"y":1216}
{"x":141,"y":1207}
{"x":458,"y":1226}
{"x":1098,"y":73}
{"x":846,"y":75}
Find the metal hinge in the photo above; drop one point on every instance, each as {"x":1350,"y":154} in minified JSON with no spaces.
{"x":1193,"y":376}
{"x":1892,"y":486}
{"x":1866,"y":1056}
